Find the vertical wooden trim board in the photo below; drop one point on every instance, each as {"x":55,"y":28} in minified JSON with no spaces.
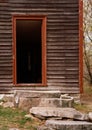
{"x":81,"y":45}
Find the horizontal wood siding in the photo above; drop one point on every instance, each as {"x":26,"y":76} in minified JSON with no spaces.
{"x":62,"y":40}
{"x":5,"y":47}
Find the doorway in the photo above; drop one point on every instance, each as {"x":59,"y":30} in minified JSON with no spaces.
{"x":29,"y":51}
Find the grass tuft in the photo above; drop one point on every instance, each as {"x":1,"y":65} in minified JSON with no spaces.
{"x":15,"y":118}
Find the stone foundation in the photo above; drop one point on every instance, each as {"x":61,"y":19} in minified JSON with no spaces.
{"x":26,"y":100}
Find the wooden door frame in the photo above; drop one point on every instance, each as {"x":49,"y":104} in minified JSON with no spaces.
{"x":81,"y":45}
{"x":43,"y":18}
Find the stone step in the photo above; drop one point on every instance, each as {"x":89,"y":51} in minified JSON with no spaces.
{"x":50,"y":102}
{"x":66,"y":125}
{"x":26,"y":103}
{"x":60,"y":113}
{"x":28,"y":99}
{"x":38,"y":94}
{"x":56,"y":102}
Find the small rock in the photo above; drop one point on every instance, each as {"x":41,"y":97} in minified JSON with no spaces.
{"x":1,"y":103}
{"x":1,"y":96}
{"x":8,"y":98}
{"x":13,"y":129}
{"x":67,"y":101}
{"x":30,"y":116}
{"x":44,"y":128}
{"x":90,"y":116}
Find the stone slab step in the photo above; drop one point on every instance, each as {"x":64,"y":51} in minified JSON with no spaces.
{"x":67,"y":125}
{"x":50,"y":102}
{"x":60,"y":113}
{"x":38,"y":94}
{"x":27,"y":103}
{"x":56,"y":102}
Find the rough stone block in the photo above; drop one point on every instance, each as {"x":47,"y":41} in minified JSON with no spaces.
{"x":50,"y":102}
{"x":48,"y":112}
{"x":27,"y":103}
{"x":7,"y":97}
{"x":8,"y":104}
{"x":68,"y":125}
{"x":90,"y":116}
{"x":67,"y":101}
{"x":38,"y":94}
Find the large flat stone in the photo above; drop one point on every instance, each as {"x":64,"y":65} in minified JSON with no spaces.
{"x":68,"y":125}
{"x":38,"y":94}
{"x":49,"y":112}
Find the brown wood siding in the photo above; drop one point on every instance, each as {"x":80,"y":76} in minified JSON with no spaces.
{"x":62,"y":41}
{"x":5,"y":47}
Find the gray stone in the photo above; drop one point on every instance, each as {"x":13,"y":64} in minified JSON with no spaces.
{"x":44,"y":128}
{"x":68,"y":125}
{"x":50,"y":102}
{"x":38,"y":94}
{"x":24,"y":104}
{"x":8,"y":98}
{"x":28,"y":99}
{"x":31,"y":117}
{"x":13,"y":129}
{"x":90,"y":116}
{"x":57,"y":102}
{"x":1,"y":103}
{"x":1,"y":96}
{"x":27,"y":103}
{"x":76,"y":98}
{"x":67,"y":101}
{"x":48,"y":112}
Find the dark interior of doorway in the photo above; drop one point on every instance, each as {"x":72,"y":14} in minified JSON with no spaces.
{"x":28,"y":51}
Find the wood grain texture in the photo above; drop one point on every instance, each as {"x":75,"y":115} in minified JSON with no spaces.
{"x":62,"y":41}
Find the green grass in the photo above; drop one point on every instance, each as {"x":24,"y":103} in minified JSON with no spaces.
{"x":83,"y":108}
{"x":88,"y":90}
{"x":14,"y":118}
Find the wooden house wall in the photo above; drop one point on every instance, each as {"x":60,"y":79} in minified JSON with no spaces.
{"x":62,"y":41}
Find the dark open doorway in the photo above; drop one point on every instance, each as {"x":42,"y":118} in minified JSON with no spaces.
{"x":28,"y":51}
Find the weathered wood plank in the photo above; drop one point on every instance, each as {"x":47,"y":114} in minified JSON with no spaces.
{"x":62,"y":40}
{"x":45,"y":1}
